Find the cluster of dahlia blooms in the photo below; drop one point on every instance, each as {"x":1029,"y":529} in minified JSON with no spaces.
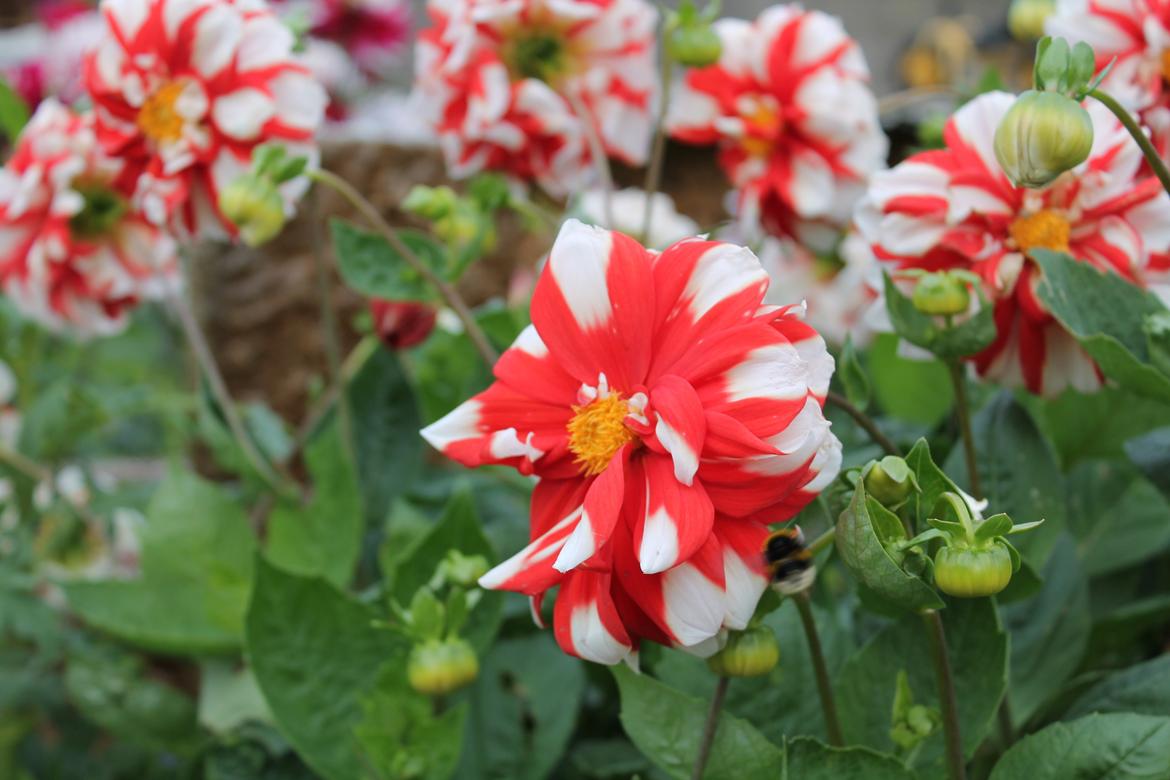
{"x":670,"y":415}
{"x":43,"y":59}
{"x":955,"y":208}
{"x":790,"y":108}
{"x":519,"y":87}
{"x":183,"y":92}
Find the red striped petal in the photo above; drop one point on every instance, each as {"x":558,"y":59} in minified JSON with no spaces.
{"x":586,"y":622}
{"x":677,"y":518}
{"x":681,"y":427}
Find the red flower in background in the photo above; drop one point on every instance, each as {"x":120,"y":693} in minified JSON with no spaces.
{"x":402,"y":324}
{"x":790,"y":108}
{"x":670,"y":416}
{"x":373,"y":32}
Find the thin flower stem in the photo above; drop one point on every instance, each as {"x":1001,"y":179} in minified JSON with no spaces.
{"x":658,"y":152}
{"x":822,"y":541}
{"x":1007,"y":732}
{"x":25,"y":465}
{"x":1135,"y":130}
{"x":820,"y":669}
{"x":896,"y":101}
{"x":963,"y":413}
{"x":596,"y":152}
{"x":710,"y":727}
{"x":444,"y":288}
{"x":865,"y":421}
{"x":946,"y":694}
{"x":329,"y":328}
{"x":353,"y":363}
{"x":281,"y":484}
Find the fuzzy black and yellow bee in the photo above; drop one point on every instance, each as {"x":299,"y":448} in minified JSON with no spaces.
{"x":789,"y":560}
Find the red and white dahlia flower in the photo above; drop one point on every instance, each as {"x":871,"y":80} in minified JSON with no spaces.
{"x":186,"y":90}
{"x":670,"y":415}
{"x":74,"y":253}
{"x":495,"y":77}
{"x":955,"y":208}
{"x":790,"y":107}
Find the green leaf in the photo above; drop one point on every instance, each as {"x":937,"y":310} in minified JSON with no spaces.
{"x":426,"y":615}
{"x":370,"y":266}
{"x":861,"y":549}
{"x":666,"y":724}
{"x":197,"y":551}
{"x":1118,"y":518}
{"x":385,"y":432}
{"x":458,"y":529}
{"x":1019,"y":473}
{"x":1143,"y":688}
{"x":324,"y":537}
{"x":1049,"y":633}
{"x":401,"y":735}
{"x":933,"y":482}
{"x":808,"y":759}
{"x":13,"y":112}
{"x":316,"y":655}
{"x":958,"y":340}
{"x":977,"y":646}
{"x":1082,"y":427}
{"x":1151,"y":454}
{"x":523,"y":709}
{"x":59,"y":418}
{"x":1116,"y":746}
{"x":229,"y":696}
{"x":914,"y":390}
{"x":1107,"y":316}
{"x":852,"y":376}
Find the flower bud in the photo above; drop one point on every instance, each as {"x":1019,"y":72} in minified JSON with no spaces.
{"x":1026,"y":18}
{"x":941,"y":293}
{"x":402,"y":324}
{"x":1042,"y":135}
{"x":437,"y":667}
{"x":889,"y":480}
{"x":694,"y":45}
{"x":971,"y":572}
{"x":748,"y":653}
{"x":430,"y":202}
{"x":254,"y":205}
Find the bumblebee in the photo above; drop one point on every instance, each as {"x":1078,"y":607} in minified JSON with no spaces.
{"x":789,"y":561}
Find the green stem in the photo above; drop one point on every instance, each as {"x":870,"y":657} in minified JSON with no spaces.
{"x":822,"y":541}
{"x":282,"y":485}
{"x":865,"y":421}
{"x":946,"y":694}
{"x":1007,"y":731}
{"x":1135,"y":130}
{"x":963,"y":413}
{"x":597,"y":152}
{"x":329,"y":327}
{"x":709,"y":728}
{"x":25,"y":465}
{"x":444,"y":288}
{"x":820,"y":669}
{"x":658,"y":152}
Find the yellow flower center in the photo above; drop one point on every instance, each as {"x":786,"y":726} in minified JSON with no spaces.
{"x":1043,"y":230}
{"x":597,"y":431}
{"x":1166,"y":64}
{"x":764,"y":123}
{"x":157,"y":118}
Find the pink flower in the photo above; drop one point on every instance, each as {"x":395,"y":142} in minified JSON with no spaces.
{"x":790,"y":107}
{"x":493,"y":76}
{"x":187,"y":89}
{"x":74,"y":253}
{"x":372,"y":32}
{"x":670,"y":415}
{"x":955,"y":208}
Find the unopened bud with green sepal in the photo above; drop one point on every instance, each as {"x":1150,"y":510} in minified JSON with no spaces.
{"x":1026,"y":18}
{"x":438,"y":667}
{"x":941,"y":293}
{"x":690,"y":39}
{"x":1043,"y":135}
{"x":254,"y":205}
{"x":889,"y":480}
{"x":748,"y":653}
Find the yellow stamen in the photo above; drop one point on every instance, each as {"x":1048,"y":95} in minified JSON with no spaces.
{"x":764,"y":125}
{"x":1166,"y":64}
{"x":1043,"y":230}
{"x":597,"y":431}
{"x":158,"y":119}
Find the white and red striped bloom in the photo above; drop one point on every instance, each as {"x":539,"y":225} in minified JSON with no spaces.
{"x":670,"y":415}
{"x":74,"y":253}
{"x":955,"y":208}
{"x":790,"y":107}
{"x":495,"y":78}
{"x":186,"y":89}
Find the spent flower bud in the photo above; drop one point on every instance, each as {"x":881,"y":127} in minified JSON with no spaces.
{"x":1026,"y":18}
{"x":749,"y":653}
{"x":1043,"y":135}
{"x":254,"y":205}
{"x":437,"y":667}
{"x":941,"y":293}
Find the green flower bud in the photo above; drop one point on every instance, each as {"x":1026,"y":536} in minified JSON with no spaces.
{"x":1042,"y":135}
{"x":889,"y":480}
{"x":694,"y":45}
{"x":748,"y":653}
{"x":941,"y":293}
{"x":437,"y":667}
{"x":971,"y":572}
{"x":430,"y":202}
{"x":1026,"y":18}
{"x":254,"y":205}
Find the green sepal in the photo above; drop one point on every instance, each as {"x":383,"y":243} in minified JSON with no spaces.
{"x":996,"y":525}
